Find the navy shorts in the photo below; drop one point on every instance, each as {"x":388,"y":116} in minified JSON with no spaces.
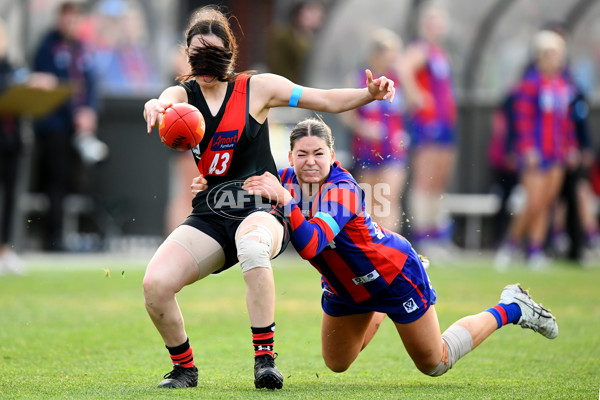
{"x":544,"y":163}
{"x":407,"y":298}
{"x":432,"y":133}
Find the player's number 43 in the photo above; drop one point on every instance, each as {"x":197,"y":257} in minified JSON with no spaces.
{"x":219,"y":164}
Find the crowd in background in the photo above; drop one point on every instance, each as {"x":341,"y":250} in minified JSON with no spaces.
{"x":403,"y":153}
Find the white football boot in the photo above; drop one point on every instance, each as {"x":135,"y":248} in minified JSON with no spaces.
{"x":533,"y":315}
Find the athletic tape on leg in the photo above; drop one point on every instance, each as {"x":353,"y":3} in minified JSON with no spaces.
{"x":459,"y":343}
{"x":254,"y":248}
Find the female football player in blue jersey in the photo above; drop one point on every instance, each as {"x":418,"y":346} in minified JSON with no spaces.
{"x":426,"y":76}
{"x":226,"y":225}
{"x":380,"y":141}
{"x":368,"y":271}
{"x":545,"y":145}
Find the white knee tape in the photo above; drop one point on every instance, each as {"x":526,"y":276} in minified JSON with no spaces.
{"x":254,"y":248}
{"x":440,"y":370}
{"x":458,"y":343}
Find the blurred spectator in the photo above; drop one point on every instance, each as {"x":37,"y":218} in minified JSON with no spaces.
{"x":595,"y":176}
{"x":289,"y":45}
{"x":70,"y":130}
{"x":502,"y":158}
{"x":575,"y":226}
{"x":379,"y":141}
{"x":10,"y":155}
{"x":545,"y":143}
{"x":123,"y":57}
{"x":427,"y":82}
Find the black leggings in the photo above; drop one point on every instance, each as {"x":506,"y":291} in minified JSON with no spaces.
{"x":55,"y":154}
{"x":9,"y":164}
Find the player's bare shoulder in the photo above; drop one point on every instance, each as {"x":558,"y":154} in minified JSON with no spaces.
{"x":174,"y":94}
{"x":267,"y":91}
{"x":264,"y":85}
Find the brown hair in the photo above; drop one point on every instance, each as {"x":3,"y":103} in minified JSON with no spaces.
{"x":311,"y":127}
{"x":69,"y":6}
{"x":211,"y":60}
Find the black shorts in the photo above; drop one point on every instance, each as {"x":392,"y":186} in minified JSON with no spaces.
{"x":223,"y":230}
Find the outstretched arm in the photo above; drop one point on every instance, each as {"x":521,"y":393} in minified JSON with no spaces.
{"x":338,"y":100}
{"x":272,"y":90}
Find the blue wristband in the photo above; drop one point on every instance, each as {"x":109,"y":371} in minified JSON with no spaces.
{"x":296,"y":93}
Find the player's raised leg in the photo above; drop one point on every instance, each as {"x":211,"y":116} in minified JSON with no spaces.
{"x":435,"y":354}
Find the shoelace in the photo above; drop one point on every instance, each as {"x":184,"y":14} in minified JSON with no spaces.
{"x":268,"y":361}
{"x":175,"y":373}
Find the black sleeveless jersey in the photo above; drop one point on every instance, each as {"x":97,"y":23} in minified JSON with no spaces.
{"x":234,"y":147}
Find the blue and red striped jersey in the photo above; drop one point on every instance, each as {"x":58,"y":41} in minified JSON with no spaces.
{"x":356,"y":257}
{"x":435,"y":81}
{"x":542,"y":116}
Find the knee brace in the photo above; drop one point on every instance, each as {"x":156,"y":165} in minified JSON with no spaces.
{"x":254,"y":248}
{"x":457,"y":343}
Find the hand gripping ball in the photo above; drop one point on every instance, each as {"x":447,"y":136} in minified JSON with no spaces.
{"x":182,"y":127}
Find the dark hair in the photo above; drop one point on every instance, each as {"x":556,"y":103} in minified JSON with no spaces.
{"x":211,"y":60}
{"x":69,"y":6}
{"x":311,"y":127}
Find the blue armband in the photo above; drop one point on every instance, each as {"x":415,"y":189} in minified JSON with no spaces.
{"x":330,"y":221}
{"x":296,"y":93}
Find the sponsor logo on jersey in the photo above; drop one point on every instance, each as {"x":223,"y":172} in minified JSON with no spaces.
{"x":226,"y":140}
{"x":361,"y":280}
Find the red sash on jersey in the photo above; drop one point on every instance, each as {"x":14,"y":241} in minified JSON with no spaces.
{"x":217,"y":157}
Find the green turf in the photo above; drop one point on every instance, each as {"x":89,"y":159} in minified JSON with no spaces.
{"x":70,"y":331}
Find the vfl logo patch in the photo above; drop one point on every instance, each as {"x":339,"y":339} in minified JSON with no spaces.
{"x":410,"y":305}
{"x":226,"y":140}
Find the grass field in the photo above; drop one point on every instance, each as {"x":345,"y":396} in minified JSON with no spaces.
{"x":76,"y":328}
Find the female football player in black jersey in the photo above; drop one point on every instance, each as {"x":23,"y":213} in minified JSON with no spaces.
{"x":227,"y":225}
